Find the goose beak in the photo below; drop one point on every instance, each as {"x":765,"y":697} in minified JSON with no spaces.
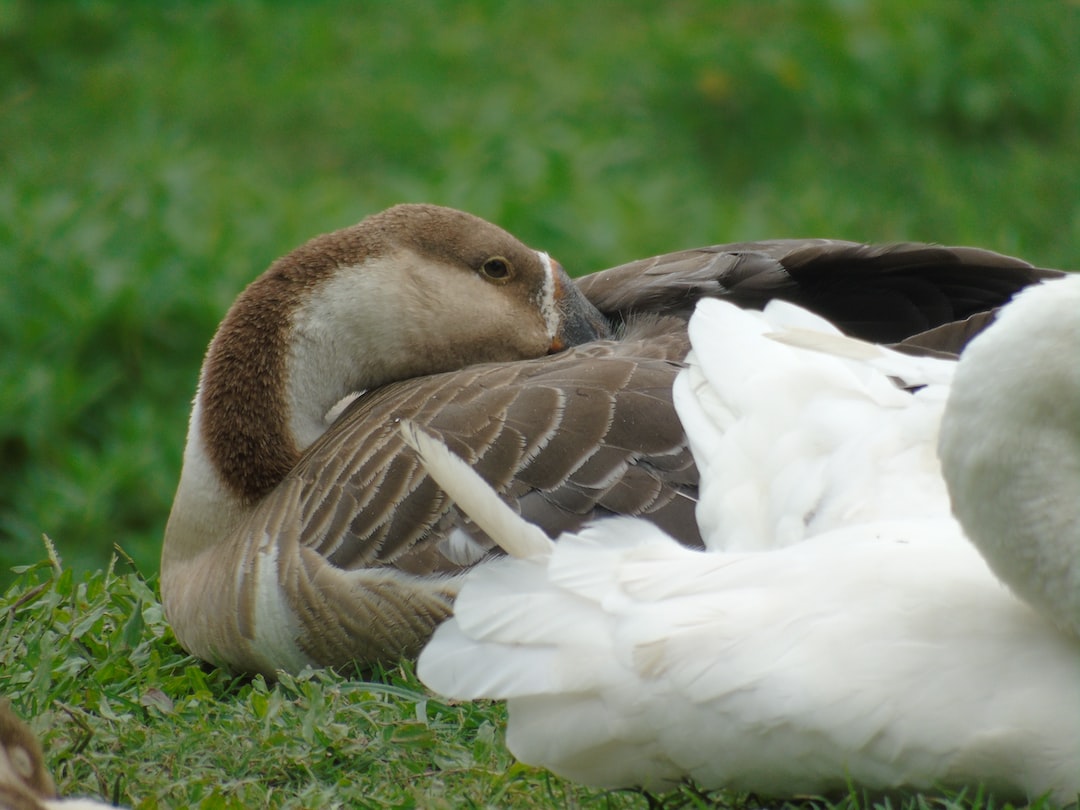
{"x":579,"y":321}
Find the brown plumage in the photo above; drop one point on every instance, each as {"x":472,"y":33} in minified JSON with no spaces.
{"x":22,"y":763}
{"x":25,"y":784}
{"x":287,"y":547}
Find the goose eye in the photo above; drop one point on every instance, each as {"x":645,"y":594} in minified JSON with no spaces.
{"x":497,"y":269}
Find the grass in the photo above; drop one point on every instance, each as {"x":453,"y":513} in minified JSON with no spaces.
{"x":126,"y":715}
{"x":156,"y":157}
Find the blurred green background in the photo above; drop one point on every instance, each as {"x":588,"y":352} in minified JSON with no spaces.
{"x":156,"y":157}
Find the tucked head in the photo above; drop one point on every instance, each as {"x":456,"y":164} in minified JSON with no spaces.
{"x":429,"y":289}
{"x":471,"y":292}
{"x":411,"y":291}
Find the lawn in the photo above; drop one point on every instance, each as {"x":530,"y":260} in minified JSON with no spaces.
{"x":156,"y":157}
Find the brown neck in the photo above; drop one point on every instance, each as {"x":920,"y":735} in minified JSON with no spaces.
{"x":244,"y":414}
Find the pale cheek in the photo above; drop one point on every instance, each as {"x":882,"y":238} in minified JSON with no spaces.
{"x":489,"y":331}
{"x":526,"y":337}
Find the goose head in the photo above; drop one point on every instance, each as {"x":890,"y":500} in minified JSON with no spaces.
{"x":411,"y":291}
{"x":1010,"y":447}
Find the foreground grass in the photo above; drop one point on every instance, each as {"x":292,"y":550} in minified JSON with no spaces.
{"x":125,"y":714}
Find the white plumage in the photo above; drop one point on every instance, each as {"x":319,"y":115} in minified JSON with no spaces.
{"x":792,"y":442}
{"x":842,"y":626}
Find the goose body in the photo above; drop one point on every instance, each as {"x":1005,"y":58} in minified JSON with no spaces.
{"x":828,"y":639}
{"x":305,"y":532}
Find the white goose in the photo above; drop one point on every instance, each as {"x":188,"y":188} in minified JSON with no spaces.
{"x":304,"y":531}
{"x":880,"y":649}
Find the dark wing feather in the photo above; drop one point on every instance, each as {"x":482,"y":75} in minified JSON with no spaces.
{"x":883,"y":293}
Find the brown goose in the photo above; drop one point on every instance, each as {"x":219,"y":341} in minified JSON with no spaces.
{"x":305,"y":532}
{"x":25,"y":784}
{"x":22,"y":764}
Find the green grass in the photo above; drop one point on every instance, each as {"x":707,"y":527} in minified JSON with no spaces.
{"x":125,"y":714}
{"x":156,"y":157}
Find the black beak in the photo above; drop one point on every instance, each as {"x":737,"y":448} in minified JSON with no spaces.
{"x":579,"y":321}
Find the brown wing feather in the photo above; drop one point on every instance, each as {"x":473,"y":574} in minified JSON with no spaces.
{"x":569,"y":437}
